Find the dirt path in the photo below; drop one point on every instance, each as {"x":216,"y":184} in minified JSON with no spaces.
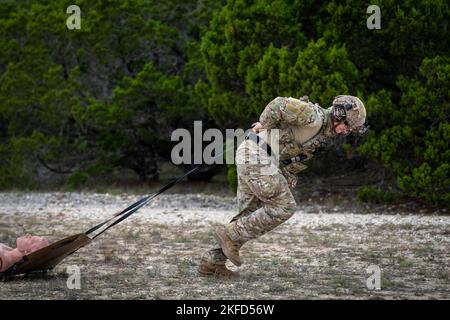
{"x":322,"y":252}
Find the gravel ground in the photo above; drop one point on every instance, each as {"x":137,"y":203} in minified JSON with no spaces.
{"x":322,"y":252}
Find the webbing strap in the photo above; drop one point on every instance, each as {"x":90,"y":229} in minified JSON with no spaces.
{"x":137,"y":205}
{"x":259,"y":141}
{"x":300,"y":158}
{"x":117,"y":218}
{"x":116,"y":215}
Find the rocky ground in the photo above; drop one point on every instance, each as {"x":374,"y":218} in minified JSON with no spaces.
{"x":323,"y":252}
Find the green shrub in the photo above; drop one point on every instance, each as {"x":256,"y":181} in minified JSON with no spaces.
{"x":377,"y":195}
{"x":77,"y":179}
{"x":232,"y":178}
{"x":412,"y":137}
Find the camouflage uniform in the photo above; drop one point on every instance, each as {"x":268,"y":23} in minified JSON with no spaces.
{"x":264,"y":196}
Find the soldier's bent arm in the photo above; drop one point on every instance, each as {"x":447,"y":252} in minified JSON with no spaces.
{"x":288,"y":111}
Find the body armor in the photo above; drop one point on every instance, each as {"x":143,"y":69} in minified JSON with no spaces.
{"x":299,"y":139}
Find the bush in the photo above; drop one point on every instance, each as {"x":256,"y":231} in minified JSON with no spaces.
{"x":377,"y":195}
{"x":77,"y":179}
{"x":411,"y":137}
{"x":232,"y":178}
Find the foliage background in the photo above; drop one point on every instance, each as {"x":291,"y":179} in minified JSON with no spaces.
{"x":96,"y":103}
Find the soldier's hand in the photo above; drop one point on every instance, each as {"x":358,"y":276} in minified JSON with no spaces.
{"x":256,"y":127}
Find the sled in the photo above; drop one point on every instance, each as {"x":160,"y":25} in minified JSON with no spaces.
{"x":47,"y":258}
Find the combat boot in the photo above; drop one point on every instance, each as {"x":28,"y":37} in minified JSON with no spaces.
{"x":208,"y":268}
{"x":229,"y":247}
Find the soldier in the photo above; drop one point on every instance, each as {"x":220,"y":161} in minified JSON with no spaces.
{"x":264,"y":192}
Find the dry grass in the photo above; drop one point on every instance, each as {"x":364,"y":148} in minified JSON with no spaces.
{"x":159,"y":261}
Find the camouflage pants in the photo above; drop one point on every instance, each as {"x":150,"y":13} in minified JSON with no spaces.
{"x":264,"y":198}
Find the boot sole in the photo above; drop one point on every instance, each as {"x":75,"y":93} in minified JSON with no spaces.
{"x":215,"y":274}
{"x":221,"y":241}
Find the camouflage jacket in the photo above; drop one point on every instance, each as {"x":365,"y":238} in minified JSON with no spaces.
{"x":304,"y":128}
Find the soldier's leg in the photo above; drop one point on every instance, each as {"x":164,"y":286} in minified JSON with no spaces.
{"x":272,"y":189}
{"x":247,"y":203}
{"x":247,"y":200}
{"x":278,"y":206}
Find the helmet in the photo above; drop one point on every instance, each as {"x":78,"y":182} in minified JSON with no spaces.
{"x":350,"y":109}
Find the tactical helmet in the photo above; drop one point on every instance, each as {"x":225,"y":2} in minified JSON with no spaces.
{"x":350,"y":109}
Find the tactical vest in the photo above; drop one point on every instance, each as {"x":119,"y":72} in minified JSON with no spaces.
{"x":293,"y":153}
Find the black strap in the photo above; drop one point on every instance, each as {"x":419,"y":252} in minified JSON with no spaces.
{"x":300,"y":158}
{"x":139,"y":204}
{"x":117,"y":218}
{"x":134,"y":205}
{"x":259,"y":141}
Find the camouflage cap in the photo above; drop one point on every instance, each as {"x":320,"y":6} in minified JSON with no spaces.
{"x":351,"y":109}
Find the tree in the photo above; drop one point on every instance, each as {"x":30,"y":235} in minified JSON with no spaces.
{"x":61,"y":90}
{"x":414,"y":141}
